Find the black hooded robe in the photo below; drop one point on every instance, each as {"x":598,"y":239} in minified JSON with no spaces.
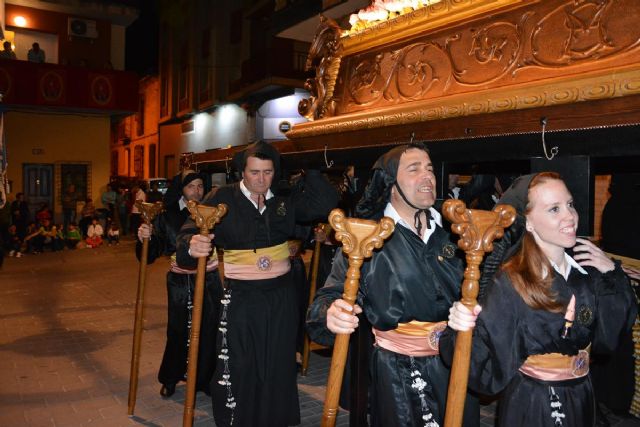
{"x":508,"y":331}
{"x":262,"y":316}
{"x":405,"y":280}
{"x":180,"y":294}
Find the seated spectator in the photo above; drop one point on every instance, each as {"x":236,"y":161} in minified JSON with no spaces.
{"x":14,"y":242}
{"x":35,"y":54}
{"x":7,"y":52}
{"x":43,"y":236}
{"x":113,"y":234}
{"x":30,"y":232}
{"x":87,"y":213}
{"x":72,"y":236}
{"x":57,"y":238}
{"x":94,"y":234}
{"x":44,"y":213}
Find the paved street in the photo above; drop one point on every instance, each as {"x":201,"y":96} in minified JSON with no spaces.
{"x":66,"y":324}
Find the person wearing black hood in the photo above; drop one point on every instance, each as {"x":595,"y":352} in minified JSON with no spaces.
{"x":255,"y":379}
{"x":180,"y":289}
{"x":406,"y":289}
{"x":544,"y":313}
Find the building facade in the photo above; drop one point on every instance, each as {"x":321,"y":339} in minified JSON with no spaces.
{"x":58,"y":114}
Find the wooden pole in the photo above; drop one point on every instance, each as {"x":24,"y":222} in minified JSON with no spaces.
{"x":148,"y":212}
{"x":477,"y":229}
{"x":205,"y":217}
{"x":312,"y":292}
{"x":359,"y":237}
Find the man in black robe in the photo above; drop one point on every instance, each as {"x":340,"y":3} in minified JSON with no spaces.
{"x":255,"y":379}
{"x":180,"y":290}
{"x":406,"y":289}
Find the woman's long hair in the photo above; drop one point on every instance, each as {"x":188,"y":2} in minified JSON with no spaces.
{"x":529,"y":268}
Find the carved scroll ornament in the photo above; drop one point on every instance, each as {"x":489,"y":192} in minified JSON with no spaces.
{"x":325,"y":56}
{"x":520,"y":47}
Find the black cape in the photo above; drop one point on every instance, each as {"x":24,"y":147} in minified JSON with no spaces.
{"x":258,"y":344}
{"x":508,"y":331}
{"x":403,"y":281}
{"x":180,"y":294}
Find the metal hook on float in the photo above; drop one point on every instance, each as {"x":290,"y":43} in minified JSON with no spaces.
{"x":554,"y":150}
{"x":328,"y":163}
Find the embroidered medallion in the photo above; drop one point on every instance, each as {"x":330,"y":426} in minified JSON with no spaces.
{"x":281,"y":210}
{"x":264,"y":263}
{"x":585,"y":315}
{"x":434,"y":336}
{"x":449,"y":250}
{"x":581,"y":364}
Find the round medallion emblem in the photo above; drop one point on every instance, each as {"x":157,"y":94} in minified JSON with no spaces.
{"x":264,"y":263}
{"x":585,"y":315}
{"x":581,"y":364}
{"x":434,"y":336}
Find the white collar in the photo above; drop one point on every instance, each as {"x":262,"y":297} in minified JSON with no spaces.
{"x":247,"y":194}
{"x":571,"y":263}
{"x":182,"y":203}
{"x":436,"y":218}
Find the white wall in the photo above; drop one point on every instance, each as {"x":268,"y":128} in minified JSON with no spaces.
{"x":276,"y":111}
{"x":48,"y":42}
{"x":227,"y":126}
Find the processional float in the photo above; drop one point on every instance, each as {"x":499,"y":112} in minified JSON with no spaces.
{"x":359,"y":238}
{"x":205,"y":217}
{"x":477,"y":229}
{"x":148,"y":211}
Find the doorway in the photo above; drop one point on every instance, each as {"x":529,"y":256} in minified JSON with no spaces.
{"x":37,"y":181}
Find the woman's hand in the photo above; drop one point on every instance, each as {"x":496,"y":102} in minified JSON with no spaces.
{"x":341,"y":317}
{"x":461,"y":318}
{"x":200,"y":245}
{"x":632,"y":272}
{"x":586,"y":253}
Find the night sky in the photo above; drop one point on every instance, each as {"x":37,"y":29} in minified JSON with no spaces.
{"x":141,"y":53}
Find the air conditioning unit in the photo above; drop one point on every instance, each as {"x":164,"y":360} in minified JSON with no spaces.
{"x":79,"y":27}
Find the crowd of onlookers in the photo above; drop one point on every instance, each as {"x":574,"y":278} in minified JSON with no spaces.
{"x":39,"y":233}
{"x":83,"y":226}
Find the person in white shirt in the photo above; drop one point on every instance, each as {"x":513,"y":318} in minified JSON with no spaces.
{"x":94,"y":234}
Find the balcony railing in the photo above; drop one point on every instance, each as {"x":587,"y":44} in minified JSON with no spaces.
{"x":286,"y":63}
{"x":32,"y":85}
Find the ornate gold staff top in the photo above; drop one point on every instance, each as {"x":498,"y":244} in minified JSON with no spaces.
{"x":205,"y":217}
{"x":477,"y":229}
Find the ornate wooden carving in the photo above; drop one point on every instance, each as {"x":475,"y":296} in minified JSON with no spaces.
{"x":359,"y":238}
{"x":324,"y":56}
{"x":541,"y":54}
{"x":477,"y":230}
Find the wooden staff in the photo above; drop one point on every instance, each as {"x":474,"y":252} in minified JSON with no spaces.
{"x":312,"y":292}
{"x":477,"y":229}
{"x":205,"y":217}
{"x":359,"y":237}
{"x":148,"y":212}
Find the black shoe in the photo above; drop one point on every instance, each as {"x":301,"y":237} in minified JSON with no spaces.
{"x":167,"y":390}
